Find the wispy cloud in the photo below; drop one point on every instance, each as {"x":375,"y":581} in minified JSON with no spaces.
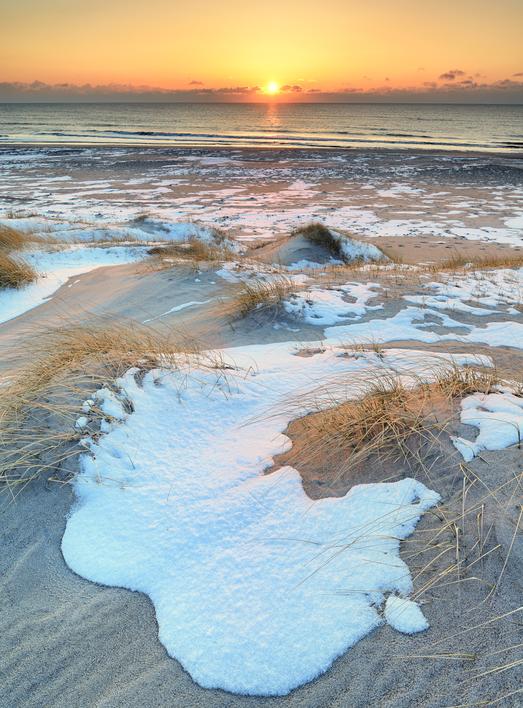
{"x":39,"y":90}
{"x":452,"y":74}
{"x":291,"y":89}
{"x":461,"y":87}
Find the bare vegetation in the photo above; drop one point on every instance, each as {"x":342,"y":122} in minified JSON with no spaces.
{"x":39,"y":407}
{"x":262,"y":296}
{"x":12,"y":239}
{"x":388,"y":417}
{"x":460,"y":262}
{"x":320,"y":235}
{"x":14,"y":272}
{"x":193,"y":249}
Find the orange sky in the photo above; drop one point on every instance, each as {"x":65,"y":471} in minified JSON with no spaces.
{"x":327,"y":46}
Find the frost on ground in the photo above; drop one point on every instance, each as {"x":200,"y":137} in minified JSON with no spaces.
{"x":417,"y":323}
{"x":326,"y":307}
{"x":251,"y":591}
{"x":490,"y":288}
{"x":55,"y":268}
{"x":499,"y":417}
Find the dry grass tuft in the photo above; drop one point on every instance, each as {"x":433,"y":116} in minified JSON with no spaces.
{"x":262,"y":296}
{"x":12,"y":239}
{"x":385,"y":416}
{"x":14,"y":272}
{"x":389,"y":421}
{"x":320,"y":235}
{"x":195,"y":250}
{"x":457,"y":381}
{"x":460,"y":262}
{"x":39,"y":407}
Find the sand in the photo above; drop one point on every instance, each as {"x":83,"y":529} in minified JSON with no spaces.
{"x":68,"y":642}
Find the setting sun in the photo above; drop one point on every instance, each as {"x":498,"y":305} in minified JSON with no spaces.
{"x":272,"y":88}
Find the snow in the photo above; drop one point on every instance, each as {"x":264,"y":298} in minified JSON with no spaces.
{"x":177,"y":308}
{"x":257,"y":588}
{"x":326,"y":307}
{"x":414,"y":323}
{"x":499,"y":417}
{"x":354,"y":250}
{"x":491,"y":288}
{"x":56,"y":268}
{"x":404,"y":615}
{"x":515,"y":223}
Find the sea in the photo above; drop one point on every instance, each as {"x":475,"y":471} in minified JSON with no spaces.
{"x":466,"y":128}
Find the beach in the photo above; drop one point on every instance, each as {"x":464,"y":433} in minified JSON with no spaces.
{"x":417,"y":264}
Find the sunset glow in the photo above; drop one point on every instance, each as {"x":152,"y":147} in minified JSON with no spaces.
{"x":343,"y":50}
{"x":272,"y":88}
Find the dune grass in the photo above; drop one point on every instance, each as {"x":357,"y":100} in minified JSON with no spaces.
{"x":393,"y":417}
{"x":458,"y":262}
{"x":194,"y":250}
{"x":318,"y":234}
{"x":12,"y":239}
{"x":262,"y":296}
{"x":40,"y":405}
{"x":14,"y":272}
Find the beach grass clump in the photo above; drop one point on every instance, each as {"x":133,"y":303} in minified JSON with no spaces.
{"x":318,"y":234}
{"x":394,"y":418}
{"x":389,"y":420}
{"x":41,"y":404}
{"x":459,"y":261}
{"x":195,"y":250}
{"x":12,"y":239}
{"x":458,"y":381}
{"x":14,"y":272}
{"x":262,"y":296}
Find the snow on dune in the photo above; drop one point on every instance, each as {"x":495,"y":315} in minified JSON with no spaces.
{"x":257,"y":589}
{"x":54,"y":269}
{"x":327,"y":307}
{"x":404,"y":615}
{"x":499,"y":417}
{"x":95,"y":230}
{"x":354,"y":250}
{"x":417,"y":323}
{"x":490,"y":288}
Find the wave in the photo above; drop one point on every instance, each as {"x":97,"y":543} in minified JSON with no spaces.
{"x":305,"y":126}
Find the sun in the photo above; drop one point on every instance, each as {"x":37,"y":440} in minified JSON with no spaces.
{"x":272,"y":88}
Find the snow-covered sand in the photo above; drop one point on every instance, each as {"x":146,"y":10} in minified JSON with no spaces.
{"x":242,"y":568}
{"x":266,"y":193}
{"x":172,"y":499}
{"x":55,"y":268}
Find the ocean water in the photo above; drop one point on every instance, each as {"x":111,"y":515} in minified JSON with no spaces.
{"x":416,"y":126}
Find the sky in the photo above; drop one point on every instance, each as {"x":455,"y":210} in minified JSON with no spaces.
{"x":233,"y":50}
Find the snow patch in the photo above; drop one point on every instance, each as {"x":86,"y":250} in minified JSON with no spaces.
{"x":404,"y":615}
{"x":499,"y":417}
{"x":229,"y":556}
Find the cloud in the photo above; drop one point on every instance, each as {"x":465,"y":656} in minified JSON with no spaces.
{"x":451,"y":74}
{"x":461,"y":88}
{"x":41,"y":91}
{"x":520,"y":73}
{"x":291,"y":89}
